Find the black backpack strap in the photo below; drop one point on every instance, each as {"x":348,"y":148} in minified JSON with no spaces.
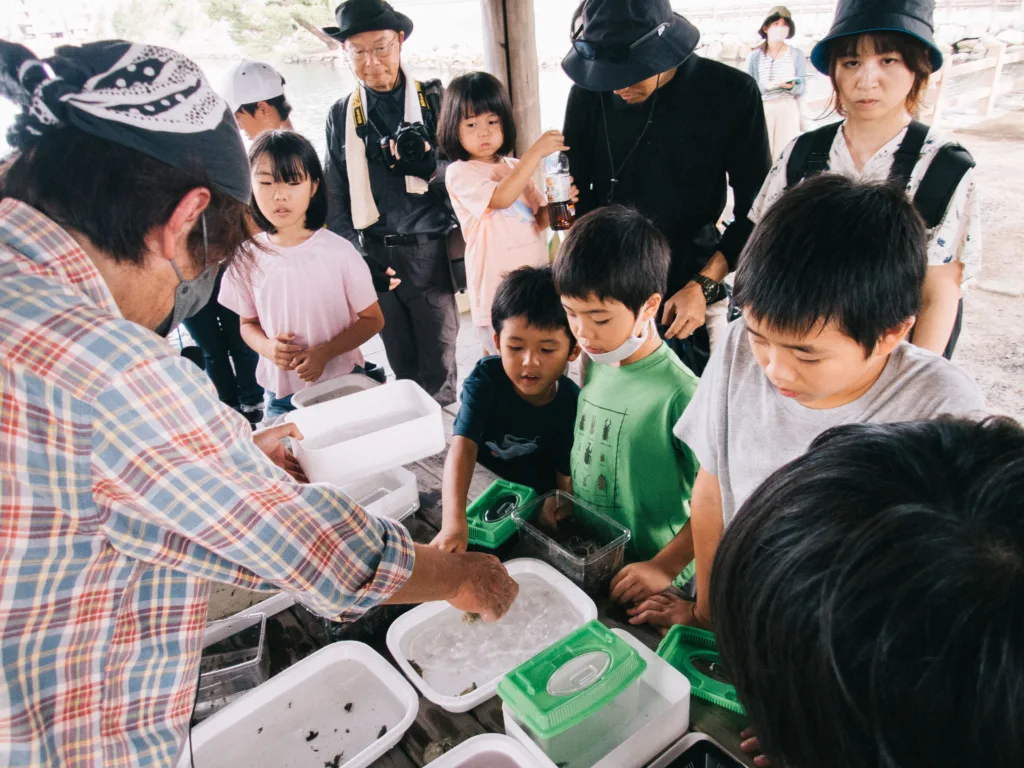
{"x":940,"y":183}
{"x":432,"y":91}
{"x":908,"y":153}
{"x":810,"y":154}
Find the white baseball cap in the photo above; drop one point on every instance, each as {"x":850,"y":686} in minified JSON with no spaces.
{"x":252,"y":81}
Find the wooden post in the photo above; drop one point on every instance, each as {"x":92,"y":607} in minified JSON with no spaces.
{"x":997,"y":74}
{"x":510,"y":54}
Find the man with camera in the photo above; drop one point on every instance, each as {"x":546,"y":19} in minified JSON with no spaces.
{"x":387,"y":193}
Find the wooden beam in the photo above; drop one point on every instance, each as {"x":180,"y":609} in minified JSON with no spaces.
{"x":510,"y":54}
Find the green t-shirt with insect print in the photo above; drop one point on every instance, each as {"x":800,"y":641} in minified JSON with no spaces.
{"x":625,"y":460}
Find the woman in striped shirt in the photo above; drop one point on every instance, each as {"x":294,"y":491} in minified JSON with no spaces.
{"x":780,"y":72}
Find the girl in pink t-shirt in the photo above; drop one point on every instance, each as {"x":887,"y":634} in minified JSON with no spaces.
{"x":502,"y":213}
{"x":307,"y":301}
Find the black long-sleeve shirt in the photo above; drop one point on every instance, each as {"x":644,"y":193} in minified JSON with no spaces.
{"x":708,"y":125}
{"x":401,"y":213}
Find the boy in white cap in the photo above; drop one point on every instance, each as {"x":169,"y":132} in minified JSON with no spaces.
{"x":255,"y":93}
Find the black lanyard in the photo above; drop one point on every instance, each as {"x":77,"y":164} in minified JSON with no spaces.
{"x":608,"y":141}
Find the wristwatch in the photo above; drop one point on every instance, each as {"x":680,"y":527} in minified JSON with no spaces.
{"x":713,"y":290}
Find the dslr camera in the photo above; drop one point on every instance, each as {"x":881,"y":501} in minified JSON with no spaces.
{"x":409,"y":140}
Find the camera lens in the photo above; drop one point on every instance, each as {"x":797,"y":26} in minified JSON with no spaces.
{"x":410,"y":145}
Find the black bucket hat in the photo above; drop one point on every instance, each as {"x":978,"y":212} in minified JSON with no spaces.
{"x":776,"y":13}
{"x":356,"y":16}
{"x":854,"y":17}
{"x":618,"y":43}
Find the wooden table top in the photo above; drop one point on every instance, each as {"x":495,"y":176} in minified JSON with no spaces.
{"x":433,"y":725}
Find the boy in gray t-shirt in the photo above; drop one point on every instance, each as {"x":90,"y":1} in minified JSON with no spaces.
{"x":829,"y":284}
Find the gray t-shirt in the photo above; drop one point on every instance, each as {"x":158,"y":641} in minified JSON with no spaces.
{"x":742,"y":429}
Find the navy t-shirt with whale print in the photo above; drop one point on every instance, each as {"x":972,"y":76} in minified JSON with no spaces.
{"x":524,"y":443}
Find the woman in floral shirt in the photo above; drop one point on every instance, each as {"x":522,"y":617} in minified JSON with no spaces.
{"x":879,"y":76}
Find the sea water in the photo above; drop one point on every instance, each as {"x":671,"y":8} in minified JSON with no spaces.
{"x":454,"y":654}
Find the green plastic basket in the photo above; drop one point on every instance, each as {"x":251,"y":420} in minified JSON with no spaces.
{"x":567,"y":683}
{"x":694,"y":652}
{"x":492,"y":533}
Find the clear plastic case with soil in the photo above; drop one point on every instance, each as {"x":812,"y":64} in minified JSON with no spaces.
{"x":585,"y":545}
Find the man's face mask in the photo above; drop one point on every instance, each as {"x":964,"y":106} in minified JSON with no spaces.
{"x":191,"y":295}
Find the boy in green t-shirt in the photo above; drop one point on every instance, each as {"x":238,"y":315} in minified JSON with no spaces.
{"x":611,"y":272}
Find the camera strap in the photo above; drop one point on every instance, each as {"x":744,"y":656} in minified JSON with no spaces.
{"x":362,"y":117}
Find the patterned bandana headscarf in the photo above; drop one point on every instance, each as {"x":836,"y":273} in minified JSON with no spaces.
{"x":147,"y":98}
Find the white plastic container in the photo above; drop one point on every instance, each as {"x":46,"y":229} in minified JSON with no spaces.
{"x":660,"y":717}
{"x":343,"y":700}
{"x":563,"y":747}
{"x":491,"y":750}
{"x":393,"y":494}
{"x":446,"y":690}
{"x":332,"y":389}
{"x":347,"y":439}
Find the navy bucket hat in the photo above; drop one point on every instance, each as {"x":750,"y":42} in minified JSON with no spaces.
{"x":854,"y":17}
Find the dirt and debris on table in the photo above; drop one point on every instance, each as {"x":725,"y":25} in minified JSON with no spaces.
{"x":334,"y":762}
{"x":416,"y":668}
{"x":470,"y":689}
{"x":435,"y":749}
{"x":259,"y":730}
{"x":348,"y":707}
{"x":382,"y":731}
{"x":312,"y":735}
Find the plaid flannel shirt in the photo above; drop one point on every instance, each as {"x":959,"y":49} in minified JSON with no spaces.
{"x":125,"y":487}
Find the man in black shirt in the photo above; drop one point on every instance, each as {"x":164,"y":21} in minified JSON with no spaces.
{"x":395,"y":209}
{"x":651,"y":125}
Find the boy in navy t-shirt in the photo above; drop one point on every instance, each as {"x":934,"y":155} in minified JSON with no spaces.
{"x":518,"y":410}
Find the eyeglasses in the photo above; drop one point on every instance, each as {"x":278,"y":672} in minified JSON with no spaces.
{"x":379,"y":52}
{"x":616,"y":53}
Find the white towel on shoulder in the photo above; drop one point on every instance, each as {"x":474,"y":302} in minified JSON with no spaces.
{"x":364,"y":209}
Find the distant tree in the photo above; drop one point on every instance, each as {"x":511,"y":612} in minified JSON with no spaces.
{"x":262,"y":25}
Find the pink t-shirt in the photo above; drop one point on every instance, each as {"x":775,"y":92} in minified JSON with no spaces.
{"x":497,"y":241}
{"x":315,"y":290}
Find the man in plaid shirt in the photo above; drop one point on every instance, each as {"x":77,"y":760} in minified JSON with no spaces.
{"x":125,"y":485}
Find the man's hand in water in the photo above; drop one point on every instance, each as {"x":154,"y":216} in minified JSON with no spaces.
{"x":271,"y":442}
{"x":486,"y":588}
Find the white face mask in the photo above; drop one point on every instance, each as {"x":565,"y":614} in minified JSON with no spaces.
{"x":777,"y":34}
{"x":626,"y":349}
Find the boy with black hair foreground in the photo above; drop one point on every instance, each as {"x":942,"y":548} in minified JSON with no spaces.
{"x":517,"y":410}
{"x":869,"y":599}
{"x":829,"y":285}
{"x":611,"y":272}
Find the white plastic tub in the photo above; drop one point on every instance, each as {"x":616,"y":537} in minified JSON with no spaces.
{"x":343,"y":700}
{"x":661,"y":716}
{"x":347,"y":439}
{"x":491,"y":750}
{"x":332,"y":389}
{"x":449,"y":688}
{"x":393,"y":494}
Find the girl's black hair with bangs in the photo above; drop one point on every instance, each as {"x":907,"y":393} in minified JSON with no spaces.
{"x":292,"y":159}
{"x":474,"y":93}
